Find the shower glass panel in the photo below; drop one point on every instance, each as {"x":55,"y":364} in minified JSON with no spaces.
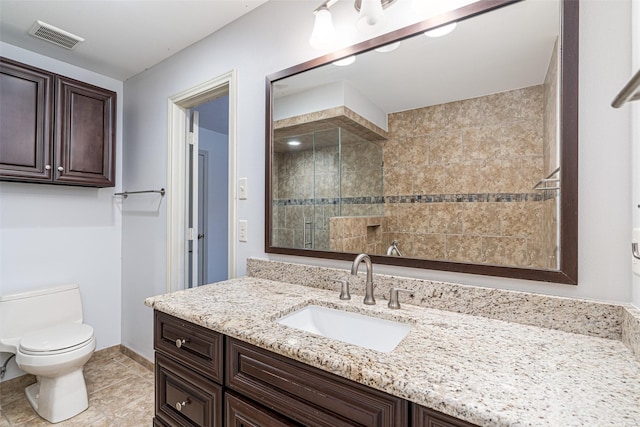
{"x":309,"y":197}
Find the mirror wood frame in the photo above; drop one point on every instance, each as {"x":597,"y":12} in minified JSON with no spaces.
{"x":568,"y":260}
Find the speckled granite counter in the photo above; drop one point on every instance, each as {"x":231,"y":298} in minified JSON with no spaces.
{"x":486,"y":371}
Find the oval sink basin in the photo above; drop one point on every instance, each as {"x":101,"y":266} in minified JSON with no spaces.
{"x":364,"y":331}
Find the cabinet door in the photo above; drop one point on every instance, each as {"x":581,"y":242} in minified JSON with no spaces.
{"x":85,"y":134}
{"x":240,"y":412}
{"x":308,"y":395}
{"x":423,"y":417}
{"x":184,"y":398}
{"x":26,"y":116}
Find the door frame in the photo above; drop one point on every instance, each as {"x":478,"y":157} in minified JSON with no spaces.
{"x":178,"y":107}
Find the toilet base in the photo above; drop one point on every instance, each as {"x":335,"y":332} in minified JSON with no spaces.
{"x":69,"y":392}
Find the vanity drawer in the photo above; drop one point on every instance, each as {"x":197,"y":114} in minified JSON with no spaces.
{"x":306,"y":394}
{"x":194,"y":346}
{"x":184,"y":398}
{"x":242,"y":412}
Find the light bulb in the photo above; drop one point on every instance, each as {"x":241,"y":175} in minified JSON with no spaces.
{"x":345,"y":61}
{"x":371,"y":15}
{"x":441,"y":31}
{"x":323,"y":34}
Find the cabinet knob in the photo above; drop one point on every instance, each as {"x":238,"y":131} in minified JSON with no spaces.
{"x":179,"y":405}
{"x":60,"y":168}
{"x":180,"y":341}
{"x":47,"y":167}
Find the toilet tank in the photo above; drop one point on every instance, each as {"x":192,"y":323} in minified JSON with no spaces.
{"x":39,"y":308}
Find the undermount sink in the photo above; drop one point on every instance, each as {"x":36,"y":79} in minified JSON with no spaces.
{"x":364,"y":331}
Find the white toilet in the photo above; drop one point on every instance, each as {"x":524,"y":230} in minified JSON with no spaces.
{"x":44,"y":329}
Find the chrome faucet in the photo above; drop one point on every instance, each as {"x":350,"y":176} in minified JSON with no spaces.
{"x":368,"y":290}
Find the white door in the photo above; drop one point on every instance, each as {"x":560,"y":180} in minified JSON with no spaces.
{"x":203,"y":230}
{"x":192,"y":201}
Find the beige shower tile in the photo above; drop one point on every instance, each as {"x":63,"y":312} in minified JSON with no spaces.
{"x":464,"y":248}
{"x":445,"y":218}
{"x":508,"y":251}
{"x":429,"y":180}
{"x":445,"y":146}
{"x":429,"y":119}
{"x":401,"y":125}
{"x":481,"y":142}
{"x":501,"y":107}
{"x":428,"y":246}
{"x":522,"y":138}
{"x":521,"y":219}
{"x":531,"y":171}
{"x":397,"y":181}
{"x":501,"y":176}
{"x":464,"y":114}
{"x":464,"y":177}
{"x":481,"y":218}
{"x":531,"y":102}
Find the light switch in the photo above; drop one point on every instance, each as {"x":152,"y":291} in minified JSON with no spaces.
{"x":242,"y":188}
{"x":242,"y":230}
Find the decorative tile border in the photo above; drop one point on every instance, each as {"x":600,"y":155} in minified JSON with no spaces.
{"x":420,"y":198}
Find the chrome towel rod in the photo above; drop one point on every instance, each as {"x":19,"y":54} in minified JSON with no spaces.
{"x":126,"y":194}
{"x":546,"y":180}
{"x":630,"y":92}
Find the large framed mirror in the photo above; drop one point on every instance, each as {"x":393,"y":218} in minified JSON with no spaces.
{"x":457,"y":153}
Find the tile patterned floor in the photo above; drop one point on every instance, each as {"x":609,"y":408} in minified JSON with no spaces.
{"x":121,"y":394}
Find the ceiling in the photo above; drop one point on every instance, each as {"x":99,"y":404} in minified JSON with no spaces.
{"x":122,"y":37}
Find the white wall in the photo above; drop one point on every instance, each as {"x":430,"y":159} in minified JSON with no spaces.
{"x":274,"y":37}
{"x":52,"y":234}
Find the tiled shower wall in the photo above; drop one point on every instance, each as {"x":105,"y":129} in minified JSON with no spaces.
{"x":458,"y":179}
{"x":457,"y":184}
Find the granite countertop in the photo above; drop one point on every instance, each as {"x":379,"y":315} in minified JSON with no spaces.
{"x":488,"y":372}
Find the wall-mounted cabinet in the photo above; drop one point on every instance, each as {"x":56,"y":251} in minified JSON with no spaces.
{"x":54,"y":129}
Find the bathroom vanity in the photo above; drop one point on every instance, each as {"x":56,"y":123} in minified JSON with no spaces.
{"x":262,"y":388}
{"x":222,"y":359}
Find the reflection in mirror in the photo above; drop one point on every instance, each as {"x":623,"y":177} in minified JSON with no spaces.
{"x":445,"y":150}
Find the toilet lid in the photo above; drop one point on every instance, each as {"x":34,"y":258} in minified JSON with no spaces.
{"x":56,"y":337}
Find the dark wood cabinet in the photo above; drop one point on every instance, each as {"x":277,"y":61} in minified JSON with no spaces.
{"x":241,"y":412}
{"x":54,"y":129}
{"x":189,"y":372}
{"x":206,"y":379}
{"x":308,"y":395}
{"x":26,"y":120}
{"x":424,"y":417}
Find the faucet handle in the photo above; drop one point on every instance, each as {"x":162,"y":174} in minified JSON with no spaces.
{"x":394,"y":302}
{"x":344,"y":289}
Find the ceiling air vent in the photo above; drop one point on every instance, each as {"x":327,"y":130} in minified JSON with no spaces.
{"x":55,"y":35}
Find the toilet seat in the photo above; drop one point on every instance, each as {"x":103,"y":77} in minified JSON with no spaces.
{"x":56,"y":339}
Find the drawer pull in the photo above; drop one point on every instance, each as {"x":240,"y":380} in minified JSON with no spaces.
{"x":180,"y":342}
{"x":179,"y":405}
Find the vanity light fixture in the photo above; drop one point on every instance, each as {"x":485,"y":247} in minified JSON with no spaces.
{"x":370,"y":17}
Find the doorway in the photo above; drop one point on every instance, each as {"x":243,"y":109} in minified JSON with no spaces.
{"x":201,"y":175}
